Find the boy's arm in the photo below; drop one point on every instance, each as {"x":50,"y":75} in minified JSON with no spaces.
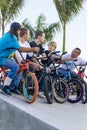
{"x":16,"y":59}
{"x":26,"y":49}
{"x":35,"y":60}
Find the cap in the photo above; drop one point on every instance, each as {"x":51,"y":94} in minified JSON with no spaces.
{"x":15,"y":26}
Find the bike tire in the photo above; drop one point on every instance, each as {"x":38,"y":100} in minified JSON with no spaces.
{"x":75,"y":89}
{"x":30,"y":87}
{"x":48,"y":91}
{"x":60,"y":90}
{"x":84,"y":97}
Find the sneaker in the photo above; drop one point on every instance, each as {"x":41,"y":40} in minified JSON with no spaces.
{"x":16,"y":91}
{"x":41,"y":94}
{"x":6,"y":90}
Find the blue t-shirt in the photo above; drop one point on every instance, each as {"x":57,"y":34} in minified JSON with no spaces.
{"x":6,"y":42}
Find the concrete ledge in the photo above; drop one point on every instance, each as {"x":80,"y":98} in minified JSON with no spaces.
{"x":12,"y":118}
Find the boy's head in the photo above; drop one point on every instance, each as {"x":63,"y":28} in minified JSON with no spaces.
{"x":40,"y":35}
{"x":75,"y":52}
{"x":15,"y":29}
{"x":52,"y":46}
{"x":25,"y":34}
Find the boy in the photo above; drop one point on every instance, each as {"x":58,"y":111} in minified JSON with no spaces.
{"x":51,"y":48}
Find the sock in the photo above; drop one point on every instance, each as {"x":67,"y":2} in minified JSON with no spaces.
{"x":7,"y":81}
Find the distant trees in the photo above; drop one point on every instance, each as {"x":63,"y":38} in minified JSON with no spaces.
{"x":50,"y":30}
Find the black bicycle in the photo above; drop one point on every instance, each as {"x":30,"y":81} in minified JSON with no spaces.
{"x":54,"y":87}
{"x":46,"y":76}
{"x":59,"y":85}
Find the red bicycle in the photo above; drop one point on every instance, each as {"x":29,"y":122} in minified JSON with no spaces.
{"x":29,"y":82}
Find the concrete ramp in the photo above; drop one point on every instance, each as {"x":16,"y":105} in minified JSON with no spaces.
{"x":16,"y":114}
{"x":13,"y":118}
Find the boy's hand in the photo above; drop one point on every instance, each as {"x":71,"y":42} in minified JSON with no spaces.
{"x":36,"y":49}
{"x":43,"y":56}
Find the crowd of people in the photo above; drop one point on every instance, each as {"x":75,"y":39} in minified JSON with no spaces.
{"x":17,"y":40}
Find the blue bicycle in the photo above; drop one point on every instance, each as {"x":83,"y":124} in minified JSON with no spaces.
{"x":75,"y":85}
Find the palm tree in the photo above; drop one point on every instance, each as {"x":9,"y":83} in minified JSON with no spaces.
{"x":9,"y":11}
{"x":50,"y":30}
{"x":2,"y":2}
{"x":66,"y":10}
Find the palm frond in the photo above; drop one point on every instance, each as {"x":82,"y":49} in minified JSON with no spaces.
{"x":11,"y":9}
{"x":67,"y":8}
{"x":28,"y":25}
{"x":2,"y":2}
{"x":51,"y":30}
{"x":40,"y":22}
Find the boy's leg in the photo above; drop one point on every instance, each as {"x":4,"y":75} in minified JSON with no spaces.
{"x":15,"y":84}
{"x":41,"y":87}
{"x":14,"y":67}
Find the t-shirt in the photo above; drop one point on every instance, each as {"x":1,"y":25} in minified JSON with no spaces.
{"x":7,"y":42}
{"x":33,"y":44}
{"x":79,"y":61}
{"x":24,"y":54}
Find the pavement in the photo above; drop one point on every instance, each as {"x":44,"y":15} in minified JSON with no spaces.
{"x":64,"y":116}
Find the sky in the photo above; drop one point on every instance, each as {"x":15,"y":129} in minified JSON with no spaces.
{"x":76,"y":30}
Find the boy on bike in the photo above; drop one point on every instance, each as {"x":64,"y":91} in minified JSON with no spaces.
{"x":8,"y":45}
{"x":51,"y":49}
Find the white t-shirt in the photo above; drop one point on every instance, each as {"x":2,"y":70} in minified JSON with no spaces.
{"x":24,"y":54}
{"x":79,"y":61}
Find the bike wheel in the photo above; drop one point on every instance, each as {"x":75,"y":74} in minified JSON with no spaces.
{"x":60,"y":90}
{"x":75,"y":91}
{"x":48,"y":89}
{"x":84,"y":97}
{"x":30,"y":87}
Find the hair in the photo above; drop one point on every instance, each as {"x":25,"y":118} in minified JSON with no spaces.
{"x":14,"y":28}
{"x":53,"y":43}
{"x":23,"y":31}
{"x":38,"y":33}
{"x":13,"y":32}
{"x":78,"y":50}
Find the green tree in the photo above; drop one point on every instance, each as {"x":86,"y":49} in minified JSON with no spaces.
{"x":2,"y":2}
{"x":50,"y":30}
{"x":9,"y":11}
{"x":66,"y":10}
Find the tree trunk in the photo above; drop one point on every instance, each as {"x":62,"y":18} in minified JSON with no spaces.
{"x":3,"y":28}
{"x":64,"y":37}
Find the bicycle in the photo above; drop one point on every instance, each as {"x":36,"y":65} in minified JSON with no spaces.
{"x":48,"y":91}
{"x":75,"y":86}
{"x":29,"y":82}
{"x":80,"y":77}
{"x":59,"y":85}
{"x":51,"y":89}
